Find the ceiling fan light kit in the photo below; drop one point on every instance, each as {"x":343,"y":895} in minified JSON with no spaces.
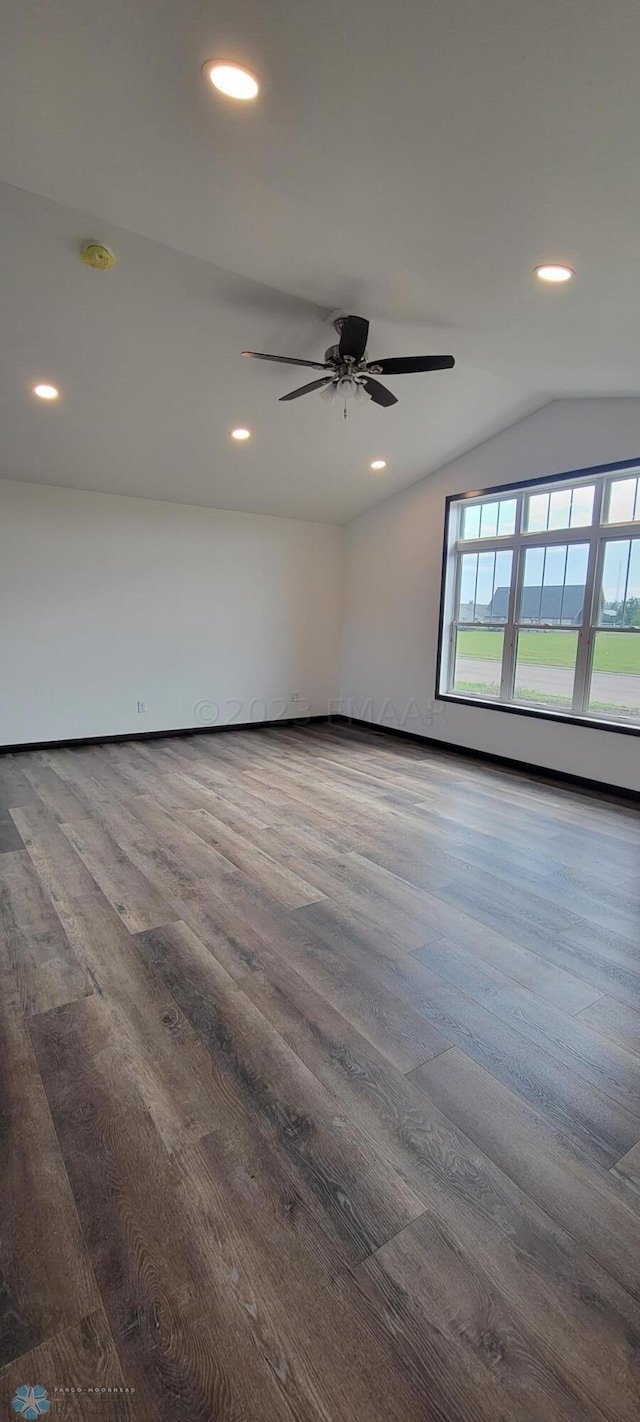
{"x":349,"y":374}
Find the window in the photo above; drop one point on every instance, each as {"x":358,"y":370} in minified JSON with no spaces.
{"x":564,"y":508}
{"x":541,"y":602}
{"x":624,"y":501}
{"x":489,"y":520}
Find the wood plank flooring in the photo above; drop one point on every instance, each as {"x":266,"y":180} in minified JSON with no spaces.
{"x":320,"y":1092}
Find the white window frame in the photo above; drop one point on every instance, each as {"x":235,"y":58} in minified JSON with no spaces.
{"x":596,"y":535}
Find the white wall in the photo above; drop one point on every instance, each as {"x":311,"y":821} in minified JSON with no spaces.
{"x":393,"y":561}
{"x":106,"y":600}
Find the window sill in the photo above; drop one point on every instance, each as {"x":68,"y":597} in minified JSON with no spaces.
{"x":542,"y":714}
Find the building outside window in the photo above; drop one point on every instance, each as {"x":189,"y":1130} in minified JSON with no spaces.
{"x":541,"y":597}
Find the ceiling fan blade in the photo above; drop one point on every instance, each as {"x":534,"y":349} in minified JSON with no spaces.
{"x":353,"y":337}
{"x":288,"y":360}
{"x":412,"y":365}
{"x":379,"y":393}
{"x":306,"y":389}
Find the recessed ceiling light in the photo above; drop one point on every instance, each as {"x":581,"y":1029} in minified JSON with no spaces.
{"x":241,"y":434}
{"x":378,"y":464}
{"x":553,"y":271}
{"x":46,"y":392}
{"x":231,"y":79}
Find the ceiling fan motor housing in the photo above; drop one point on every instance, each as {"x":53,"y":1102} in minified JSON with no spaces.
{"x":332,"y":355}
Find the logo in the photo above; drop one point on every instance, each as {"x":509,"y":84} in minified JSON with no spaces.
{"x":31,"y":1402}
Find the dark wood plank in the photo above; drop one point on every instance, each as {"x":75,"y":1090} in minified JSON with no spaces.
{"x":550,"y":1167}
{"x":311,"y":1021}
{"x":171,"y":863}
{"x":319,"y":1328}
{"x":580,"y":844}
{"x":142,"y":1022}
{"x":14,"y":787}
{"x":134,"y":899}
{"x":81,"y":1371}
{"x":567,"y":1100}
{"x":346,"y":920}
{"x":525,"y":916}
{"x":10,"y":838}
{"x":553,"y":983}
{"x":496,"y":1299}
{"x":610,"y":905}
{"x":358,"y":885}
{"x":616,"y":1020}
{"x":63,"y":802}
{"x":589,"y":1114}
{"x":186,"y":1352}
{"x":287,"y":887}
{"x":33,"y":943}
{"x":608,"y":1066}
{"x":182,"y":790}
{"x":360,"y":1195}
{"x":548,"y":982}
{"x":84,"y":772}
{"x":194,"y":857}
{"x":605,"y":959}
{"x":628,"y":1170}
{"x":452,"y":1312}
{"x":47,"y":1283}
{"x":60,"y":870}
{"x":237,"y":919}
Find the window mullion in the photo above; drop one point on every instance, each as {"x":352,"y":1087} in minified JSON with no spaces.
{"x":509,"y":644}
{"x":584,"y":655}
{"x":626,"y":582}
{"x":475,"y":586}
{"x":453,"y":624}
{"x":451,"y":669}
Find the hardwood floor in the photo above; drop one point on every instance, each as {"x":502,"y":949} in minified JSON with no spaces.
{"x":320,"y":1084}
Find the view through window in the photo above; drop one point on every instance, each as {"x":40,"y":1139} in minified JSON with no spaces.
{"x":542,"y":597}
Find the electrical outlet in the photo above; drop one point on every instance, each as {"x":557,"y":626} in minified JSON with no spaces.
{"x":142,"y":706}
{"x":295,"y":696}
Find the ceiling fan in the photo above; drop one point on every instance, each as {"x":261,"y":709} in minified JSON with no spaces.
{"x":349,"y":372}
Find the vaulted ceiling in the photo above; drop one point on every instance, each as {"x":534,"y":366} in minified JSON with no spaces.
{"x":410,"y":162}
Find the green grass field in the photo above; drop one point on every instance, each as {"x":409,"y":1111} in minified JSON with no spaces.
{"x":540,"y":698}
{"x":614,"y":653}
